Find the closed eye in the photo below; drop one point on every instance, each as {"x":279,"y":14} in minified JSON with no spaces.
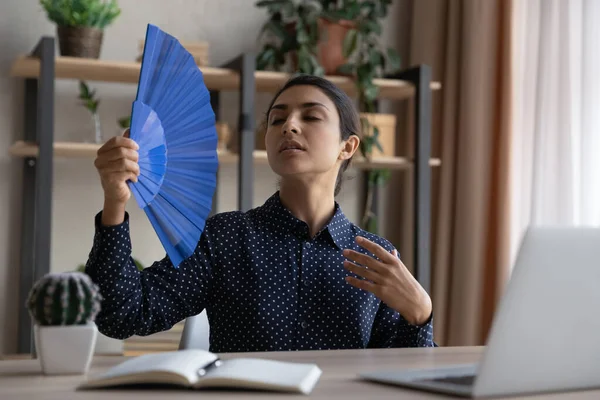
{"x":277,"y":121}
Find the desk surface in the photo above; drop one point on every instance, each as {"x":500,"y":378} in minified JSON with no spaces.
{"x":22,"y":379}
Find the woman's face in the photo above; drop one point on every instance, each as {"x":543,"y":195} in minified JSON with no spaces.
{"x":303,"y":134}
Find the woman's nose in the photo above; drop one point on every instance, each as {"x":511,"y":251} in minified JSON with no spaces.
{"x":290,"y":127}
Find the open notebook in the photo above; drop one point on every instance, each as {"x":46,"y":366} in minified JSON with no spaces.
{"x":199,"y":369}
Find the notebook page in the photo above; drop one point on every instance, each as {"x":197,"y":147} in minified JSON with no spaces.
{"x":184,"y":362}
{"x":263,"y":374}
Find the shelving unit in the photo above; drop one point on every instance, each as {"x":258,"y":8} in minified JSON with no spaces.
{"x":88,"y":150}
{"x":38,"y":148}
{"x":218,"y":79}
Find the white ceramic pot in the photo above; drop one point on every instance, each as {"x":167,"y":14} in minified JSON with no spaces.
{"x":65,"y":350}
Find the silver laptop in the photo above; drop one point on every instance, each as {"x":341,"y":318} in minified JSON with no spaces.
{"x":546,"y":332}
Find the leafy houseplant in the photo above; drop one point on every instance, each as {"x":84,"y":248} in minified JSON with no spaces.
{"x":298,"y":35}
{"x":369,"y":61}
{"x":80,"y":24}
{"x":362,"y":58}
{"x":64,"y":307}
{"x":90,"y":102}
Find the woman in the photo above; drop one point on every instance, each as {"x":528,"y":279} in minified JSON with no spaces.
{"x":288,"y":275}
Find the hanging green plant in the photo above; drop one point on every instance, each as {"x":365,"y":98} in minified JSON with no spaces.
{"x":290,"y":35}
{"x":366,"y":59}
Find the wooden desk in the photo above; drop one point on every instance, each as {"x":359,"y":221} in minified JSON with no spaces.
{"x":22,"y":379}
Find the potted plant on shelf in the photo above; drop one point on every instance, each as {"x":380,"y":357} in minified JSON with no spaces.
{"x":358,"y":54}
{"x":64,"y":306}
{"x":80,"y":24}
{"x":298,"y":34}
{"x":90,"y":102}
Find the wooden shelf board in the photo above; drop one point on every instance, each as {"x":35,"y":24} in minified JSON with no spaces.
{"x":215,"y":78}
{"x":137,"y":353}
{"x":89,"y":150}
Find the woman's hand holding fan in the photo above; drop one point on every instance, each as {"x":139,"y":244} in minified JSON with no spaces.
{"x":117,"y":163}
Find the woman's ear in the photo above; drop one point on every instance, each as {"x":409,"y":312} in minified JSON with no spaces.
{"x":349,"y":147}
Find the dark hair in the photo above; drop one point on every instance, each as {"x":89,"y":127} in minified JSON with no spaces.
{"x":349,"y":118}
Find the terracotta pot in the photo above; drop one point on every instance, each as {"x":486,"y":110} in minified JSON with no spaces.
{"x":79,"y":41}
{"x":330,"y":45}
{"x":331,"y":40}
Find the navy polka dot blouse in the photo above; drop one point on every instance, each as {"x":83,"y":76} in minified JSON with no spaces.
{"x":266,"y":286}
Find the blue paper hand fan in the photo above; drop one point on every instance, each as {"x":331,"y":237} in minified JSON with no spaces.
{"x":173,"y":123}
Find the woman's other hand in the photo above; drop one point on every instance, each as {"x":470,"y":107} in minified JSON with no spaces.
{"x":388,"y":279}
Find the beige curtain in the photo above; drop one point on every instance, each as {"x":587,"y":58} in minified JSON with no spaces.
{"x":467,"y":44}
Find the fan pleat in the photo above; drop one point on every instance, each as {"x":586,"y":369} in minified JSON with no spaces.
{"x":176,"y":227}
{"x":174,"y":243}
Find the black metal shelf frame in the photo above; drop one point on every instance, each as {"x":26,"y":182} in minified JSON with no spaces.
{"x":37,"y":174}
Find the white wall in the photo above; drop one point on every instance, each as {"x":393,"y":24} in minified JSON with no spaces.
{"x":77,"y":193}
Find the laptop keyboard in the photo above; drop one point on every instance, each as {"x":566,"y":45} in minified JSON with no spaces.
{"x":465,"y":380}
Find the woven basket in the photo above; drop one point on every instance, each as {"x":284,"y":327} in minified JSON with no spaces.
{"x":76,"y":41}
{"x":386,"y":123}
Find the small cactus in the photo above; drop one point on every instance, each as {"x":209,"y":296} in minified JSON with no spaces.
{"x":69,"y":298}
